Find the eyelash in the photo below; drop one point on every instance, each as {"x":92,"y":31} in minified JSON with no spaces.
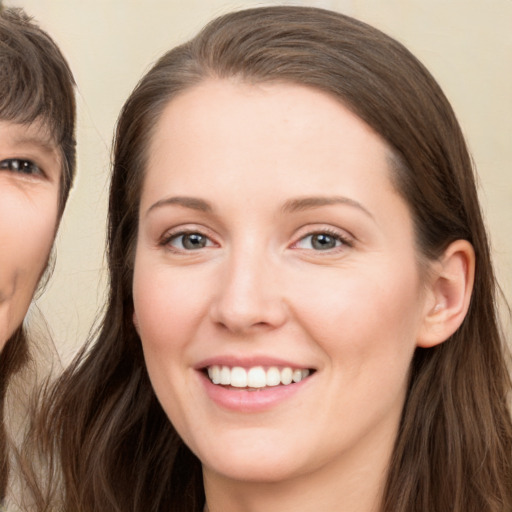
{"x":20,"y":166}
{"x":343,"y":241}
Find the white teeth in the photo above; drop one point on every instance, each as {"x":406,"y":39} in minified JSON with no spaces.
{"x":255,"y":377}
{"x":214,"y":374}
{"x":297,"y":375}
{"x":225,"y":375}
{"x":238,"y":377}
{"x":273,"y":376}
{"x":286,"y":376}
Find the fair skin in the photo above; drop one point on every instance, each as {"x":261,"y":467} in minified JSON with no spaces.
{"x":271,"y":237}
{"x":29,"y":189}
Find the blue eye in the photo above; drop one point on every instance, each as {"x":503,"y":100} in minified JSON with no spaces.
{"x":21,"y":166}
{"x":321,"y":242}
{"x":189,"y":241}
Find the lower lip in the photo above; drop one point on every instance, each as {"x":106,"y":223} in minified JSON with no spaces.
{"x":242,"y":400}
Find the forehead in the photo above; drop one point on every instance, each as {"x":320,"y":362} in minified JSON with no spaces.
{"x":281,"y":137}
{"x":35,"y":133}
{"x":35,"y":136}
{"x":275,"y":121}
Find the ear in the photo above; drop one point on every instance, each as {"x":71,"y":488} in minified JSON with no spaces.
{"x":448,"y":294}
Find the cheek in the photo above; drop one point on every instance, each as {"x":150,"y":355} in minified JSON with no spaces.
{"x":362,"y":317}
{"x":27,"y":230}
{"x":366,"y":324}
{"x":166,"y":307}
{"x":27,"y":237}
{"x":38,"y":242}
{"x":167,"y":315}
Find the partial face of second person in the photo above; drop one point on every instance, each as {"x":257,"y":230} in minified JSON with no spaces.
{"x":30,"y":168}
{"x":277,"y":289}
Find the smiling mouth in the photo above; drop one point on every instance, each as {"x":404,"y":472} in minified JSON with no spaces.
{"x":256,"y":377}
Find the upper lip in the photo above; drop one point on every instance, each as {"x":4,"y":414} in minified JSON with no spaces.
{"x":249,"y":362}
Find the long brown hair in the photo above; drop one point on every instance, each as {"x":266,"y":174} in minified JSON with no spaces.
{"x":104,"y":426}
{"x":36,"y":86}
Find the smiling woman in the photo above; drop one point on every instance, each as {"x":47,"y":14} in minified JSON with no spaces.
{"x":37,"y":164}
{"x":291,"y":282}
{"x":302,"y":306}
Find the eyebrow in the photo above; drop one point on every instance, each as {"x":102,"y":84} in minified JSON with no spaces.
{"x":43,"y":143}
{"x":290,"y":206}
{"x":193,"y":203}
{"x":307,"y":203}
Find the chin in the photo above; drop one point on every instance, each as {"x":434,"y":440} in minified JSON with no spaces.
{"x":254,"y":472}
{"x":256,"y":465}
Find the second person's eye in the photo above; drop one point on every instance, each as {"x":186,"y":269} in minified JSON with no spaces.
{"x":20,"y":165}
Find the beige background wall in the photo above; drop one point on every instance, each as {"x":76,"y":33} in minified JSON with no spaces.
{"x":467,"y":44}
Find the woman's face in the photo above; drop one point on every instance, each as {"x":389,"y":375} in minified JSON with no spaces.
{"x":29,"y":188}
{"x":272,"y":247}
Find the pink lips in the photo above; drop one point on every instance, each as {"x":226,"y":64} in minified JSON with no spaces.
{"x":243,"y":400}
{"x":246,"y":362}
{"x":246,"y":400}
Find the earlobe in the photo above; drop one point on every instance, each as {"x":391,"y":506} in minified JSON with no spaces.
{"x":449,"y":294}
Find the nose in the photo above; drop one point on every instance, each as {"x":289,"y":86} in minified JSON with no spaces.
{"x":250,"y":294}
